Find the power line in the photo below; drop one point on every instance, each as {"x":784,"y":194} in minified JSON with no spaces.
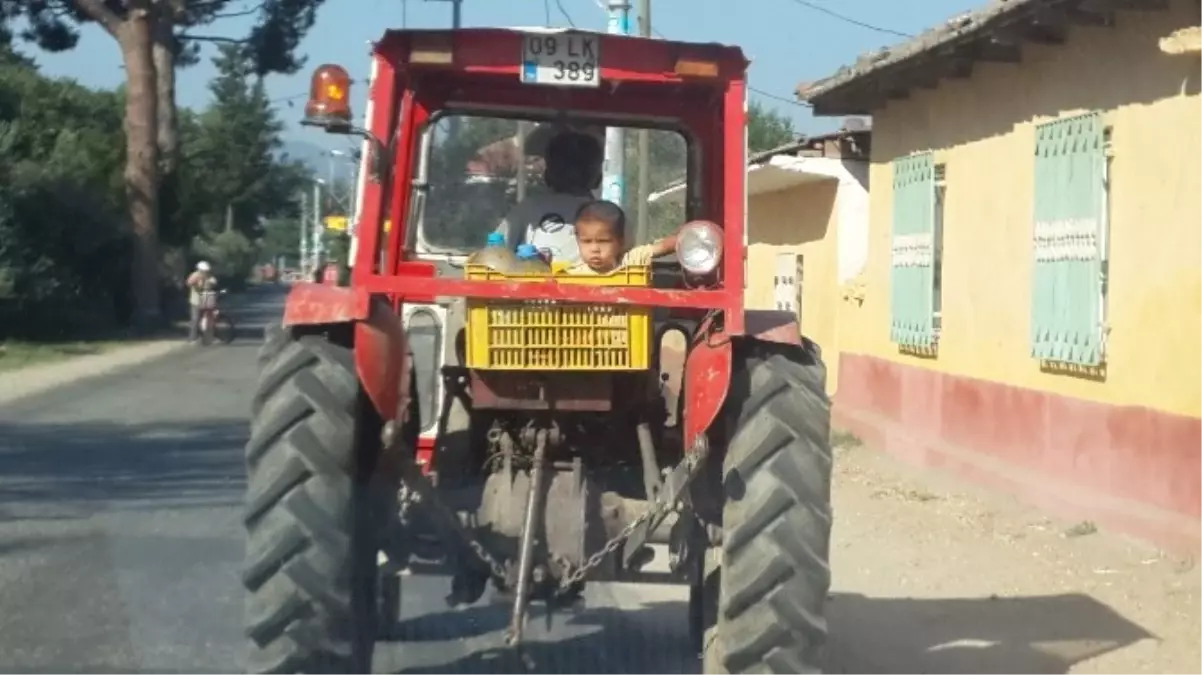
{"x":848,"y":19}
{"x":564,"y":11}
{"x":761,"y":92}
{"x":782,"y":99}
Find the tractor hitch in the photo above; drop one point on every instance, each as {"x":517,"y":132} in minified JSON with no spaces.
{"x":534,"y":516}
{"x":674,"y":489}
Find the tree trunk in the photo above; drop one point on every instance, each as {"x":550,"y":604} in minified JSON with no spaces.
{"x":135,"y":35}
{"x":164,"y":69}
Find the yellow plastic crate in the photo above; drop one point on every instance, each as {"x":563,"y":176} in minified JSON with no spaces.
{"x":544,"y":335}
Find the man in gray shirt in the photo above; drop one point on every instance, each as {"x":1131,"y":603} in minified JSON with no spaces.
{"x":573,"y":162}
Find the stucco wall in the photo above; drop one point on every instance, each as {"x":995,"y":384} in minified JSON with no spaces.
{"x":801,"y":219}
{"x":983,"y":129}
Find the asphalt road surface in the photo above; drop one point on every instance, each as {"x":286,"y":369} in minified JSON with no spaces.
{"x":120,"y":541}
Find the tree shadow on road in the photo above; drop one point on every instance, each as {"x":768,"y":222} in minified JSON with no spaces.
{"x":66,"y":470}
{"x":1046,"y":634}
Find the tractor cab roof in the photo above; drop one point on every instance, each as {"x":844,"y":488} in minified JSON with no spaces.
{"x":535,"y":55}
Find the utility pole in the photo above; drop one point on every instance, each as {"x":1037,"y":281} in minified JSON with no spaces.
{"x":641,"y":225}
{"x":317,"y":226}
{"x":523,"y":134}
{"x":304,"y":235}
{"x":613,"y":186}
{"x":456,"y":24}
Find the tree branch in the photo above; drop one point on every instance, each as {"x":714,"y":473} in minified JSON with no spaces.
{"x":243,"y":12}
{"x":98,"y":12}
{"x":211,"y":38}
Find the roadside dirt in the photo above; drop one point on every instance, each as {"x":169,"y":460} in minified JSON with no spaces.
{"x":933,"y":576}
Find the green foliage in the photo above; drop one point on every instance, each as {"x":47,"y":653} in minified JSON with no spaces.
{"x":459,"y":213}
{"x":62,"y":237}
{"x":767,"y":129}
{"x":281,"y":237}
{"x":231,"y":148}
{"x":65,"y":243}
{"x":231,"y":254}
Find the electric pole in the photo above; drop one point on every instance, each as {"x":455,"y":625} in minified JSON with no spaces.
{"x":456,"y":24}
{"x":613,"y":186}
{"x":304,"y":238}
{"x":641,"y":225}
{"x":318,"y":228}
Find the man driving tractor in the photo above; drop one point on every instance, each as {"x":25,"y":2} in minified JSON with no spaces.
{"x":547,"y":220}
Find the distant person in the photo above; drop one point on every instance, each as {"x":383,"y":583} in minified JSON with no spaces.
{"x":199,"y":281}
{"x":573,"y":163}
{"x":601,"y":239}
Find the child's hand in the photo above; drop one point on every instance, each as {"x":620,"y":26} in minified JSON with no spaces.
{"x":639,"y":255}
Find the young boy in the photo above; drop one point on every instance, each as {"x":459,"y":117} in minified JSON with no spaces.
{"x":601,"y":237}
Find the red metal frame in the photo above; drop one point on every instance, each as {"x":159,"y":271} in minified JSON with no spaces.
{"x":408,"y":93}
{"x":485,"y":71}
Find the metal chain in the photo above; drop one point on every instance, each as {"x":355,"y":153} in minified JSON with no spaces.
{"x":577,"y":575}
{"x":495,"y":567}
{"x":408,"y":499}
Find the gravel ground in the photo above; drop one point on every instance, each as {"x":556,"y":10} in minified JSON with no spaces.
{"x":931,"y":576}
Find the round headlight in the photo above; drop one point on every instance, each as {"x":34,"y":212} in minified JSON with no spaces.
{"x":699,"y":247}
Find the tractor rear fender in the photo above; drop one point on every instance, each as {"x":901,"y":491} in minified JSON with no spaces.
{"x":381,"y":349}
{"x":707,"y":369}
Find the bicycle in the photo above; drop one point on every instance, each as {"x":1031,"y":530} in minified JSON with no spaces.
{"x":213,"y":322}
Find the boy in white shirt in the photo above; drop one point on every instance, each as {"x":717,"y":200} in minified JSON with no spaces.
{"x":572,"y":171}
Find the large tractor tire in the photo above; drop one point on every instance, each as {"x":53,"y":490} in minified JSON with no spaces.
{"x":766,"y":586}
{"x":312,"y":518}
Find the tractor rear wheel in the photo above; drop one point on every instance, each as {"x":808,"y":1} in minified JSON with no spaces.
{"x":766,"y":586}
{"x":312,"y":517}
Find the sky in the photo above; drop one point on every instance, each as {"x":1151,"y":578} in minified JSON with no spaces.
{"x":787,"y":41}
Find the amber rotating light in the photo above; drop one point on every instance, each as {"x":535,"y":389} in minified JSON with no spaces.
{"x":329,"y":97}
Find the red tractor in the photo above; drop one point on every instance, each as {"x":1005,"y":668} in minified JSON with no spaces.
{"x":531,"y":429}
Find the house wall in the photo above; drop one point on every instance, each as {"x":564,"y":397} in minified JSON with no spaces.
{"x":1118,"y":444}
{"x":800,"y":220}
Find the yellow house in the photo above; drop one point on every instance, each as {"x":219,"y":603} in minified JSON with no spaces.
{"x":1029,"y":312}
{"x":807,"y":229}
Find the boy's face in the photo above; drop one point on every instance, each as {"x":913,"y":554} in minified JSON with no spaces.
{"x":600,"y":246}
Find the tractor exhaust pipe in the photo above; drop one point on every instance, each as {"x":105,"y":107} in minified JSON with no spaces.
{"x":534,"y":505}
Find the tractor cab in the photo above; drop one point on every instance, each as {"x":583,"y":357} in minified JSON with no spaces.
{"x":472,"y":399}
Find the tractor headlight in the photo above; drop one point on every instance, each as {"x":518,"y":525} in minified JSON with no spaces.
{"x":699,"y":247}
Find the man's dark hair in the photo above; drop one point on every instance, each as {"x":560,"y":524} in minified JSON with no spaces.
{"x":573,"y":160}
{"x":606,"y":212}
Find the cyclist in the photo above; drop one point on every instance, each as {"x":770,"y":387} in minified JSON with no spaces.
{"x":199,"y":281}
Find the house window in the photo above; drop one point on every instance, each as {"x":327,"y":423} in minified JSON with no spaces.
{"x":787,"y":282}
{"x":916,"y":249}
{"x":937,"y":271}
{"x":1070,"y":241}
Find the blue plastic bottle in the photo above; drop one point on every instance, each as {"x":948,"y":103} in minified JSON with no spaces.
{"x":494,"y":254}
{"x":530,"y":261}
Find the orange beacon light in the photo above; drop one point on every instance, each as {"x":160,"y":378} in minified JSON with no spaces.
{"x":329,"y":97}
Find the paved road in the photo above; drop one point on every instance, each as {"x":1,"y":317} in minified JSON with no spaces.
{"x":120,"y":542}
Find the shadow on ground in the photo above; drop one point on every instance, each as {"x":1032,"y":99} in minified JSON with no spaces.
{"x":49,"y":469}
{"x":1046,"y":634}
{"x":649,"y":639}
{"x":1041,"y":634}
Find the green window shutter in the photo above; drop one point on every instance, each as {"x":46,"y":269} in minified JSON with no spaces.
{"x":1066,"y":302}
{"x":913,"y":280}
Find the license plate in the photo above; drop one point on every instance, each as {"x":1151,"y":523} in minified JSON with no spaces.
{"x":561,"y":59}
